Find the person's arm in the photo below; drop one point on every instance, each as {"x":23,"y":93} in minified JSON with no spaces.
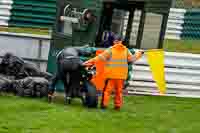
{"x":101,"y":57}
{"x":132,"y":58}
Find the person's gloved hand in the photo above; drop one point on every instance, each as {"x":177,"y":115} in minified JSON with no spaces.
{"x":138,"y":55}
{"x":88,"y":63}
{"x":141,"y":52}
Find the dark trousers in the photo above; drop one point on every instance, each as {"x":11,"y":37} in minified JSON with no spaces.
{"x":70,"y":78}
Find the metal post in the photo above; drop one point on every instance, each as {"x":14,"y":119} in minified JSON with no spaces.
{"x":141,"y":29}
{"x":39,"y":53}
{"x":163,"y":30}
{"x":129,"y":26}
{"x":123,"y":16}
{"x":173,"y":4}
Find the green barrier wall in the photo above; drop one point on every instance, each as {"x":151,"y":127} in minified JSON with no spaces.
{"x":33,"y":13}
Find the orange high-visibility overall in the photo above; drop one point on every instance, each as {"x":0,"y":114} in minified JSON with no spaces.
{"x":116,"y":71}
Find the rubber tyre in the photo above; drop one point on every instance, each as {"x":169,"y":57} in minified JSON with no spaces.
{"x":91,"y":98}
{"x":44,"y":92}
{"x":20,"y":92}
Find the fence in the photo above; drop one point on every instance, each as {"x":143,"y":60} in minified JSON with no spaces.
{"x":31,"y":13}
{"x":5,"y":7}
{"x":182,"y":24}
{"x":186,"y":4}
{"x":32,"y":48}
{"x":182,"y":76}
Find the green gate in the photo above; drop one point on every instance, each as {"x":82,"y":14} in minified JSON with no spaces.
{"x":60,"y":39}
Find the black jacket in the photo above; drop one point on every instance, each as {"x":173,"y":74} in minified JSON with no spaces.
{"x":73,"y":52}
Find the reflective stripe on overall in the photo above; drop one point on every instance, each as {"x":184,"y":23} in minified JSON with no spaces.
{"x":117,"y":66}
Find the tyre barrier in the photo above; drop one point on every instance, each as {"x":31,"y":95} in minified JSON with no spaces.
{"x":22,"y":78}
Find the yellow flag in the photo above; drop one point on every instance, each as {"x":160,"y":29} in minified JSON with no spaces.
{"x":156,"y":62}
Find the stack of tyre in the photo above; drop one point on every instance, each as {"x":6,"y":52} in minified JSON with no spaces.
{"x":22,"y":78}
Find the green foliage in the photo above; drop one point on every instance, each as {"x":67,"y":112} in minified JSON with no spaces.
{"x":185,"y":46}
{"x":25,"y":30}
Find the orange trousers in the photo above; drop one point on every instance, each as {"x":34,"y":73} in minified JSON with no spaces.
{"x":118,"y":85}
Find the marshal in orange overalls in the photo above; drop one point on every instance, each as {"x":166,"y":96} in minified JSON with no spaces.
{"x":115,"y":71}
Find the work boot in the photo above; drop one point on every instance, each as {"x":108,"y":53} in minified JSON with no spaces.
{"x":50,"y":98}
{"x":103,"y":107}
{"x":117,"y":108}
{"x":67,"y":100}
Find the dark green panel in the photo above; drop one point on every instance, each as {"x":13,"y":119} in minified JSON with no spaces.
{"x":29,"y":25}
{"x":31,"y":20}
{"x":16,"y":8}
{"x":156,"y":6}
{"x":36,"y":3}
{"x":33,"y":13}
{"x":79,"y":38}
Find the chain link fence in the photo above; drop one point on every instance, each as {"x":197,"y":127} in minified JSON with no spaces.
{"x":186,"y":4}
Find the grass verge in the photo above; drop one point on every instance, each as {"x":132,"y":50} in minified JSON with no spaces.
{"x":140,"y":114}
{"x":25,"y":30}
{"x":185,"y":46}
